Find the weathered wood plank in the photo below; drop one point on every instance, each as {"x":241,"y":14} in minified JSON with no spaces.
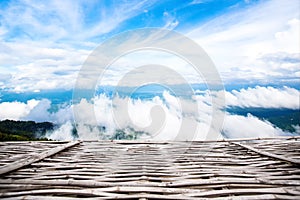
{"x":165,"y":170}
{"x":35,"y":158}
{"x":271,"y":155}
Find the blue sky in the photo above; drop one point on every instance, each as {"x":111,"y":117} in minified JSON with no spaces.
{"x":64,"y":21}
{"x":43,"y":44}
{"x":254,"y":45}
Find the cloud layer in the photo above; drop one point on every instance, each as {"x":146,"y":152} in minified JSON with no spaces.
{"x":44,"y":44}
{"x":258,"y":43}
{"x":173,"y":112}
{"x":264,"y":97}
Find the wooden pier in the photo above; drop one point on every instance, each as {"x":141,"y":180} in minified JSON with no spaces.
{"x":227,"y":169}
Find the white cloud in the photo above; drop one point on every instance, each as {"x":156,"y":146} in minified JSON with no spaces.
{"x":119,"y":12}
{"x":41,"y":113}
{"x":289,"y":37}
{"x":35,"y":66}
{"x":162,"y":117}
{"x":69,"y":20}
{"x":171,"y":21}
{"x":55,"y":38}
{"x":47,"y":46}
{"x":171,"y":24}
{"x":199,"y":2}
{"x":236,"y":126}
{"x":237,"y":40}
{"x":64,"y":132}
{"x":132,"y":67}
{"x":264,"y":97}
{"x":16,"y":110}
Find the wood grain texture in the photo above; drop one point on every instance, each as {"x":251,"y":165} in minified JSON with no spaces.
{"x":228,"y":169}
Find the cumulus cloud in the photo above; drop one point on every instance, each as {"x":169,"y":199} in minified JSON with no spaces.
{"x":138,"y":114}
{"x":41,"y":113}
{"x":161,"y":117}
{"x":16,"y":110}
{"x":237,"y":126}
{"x":35,"y":110}
{"x":264,"y":97}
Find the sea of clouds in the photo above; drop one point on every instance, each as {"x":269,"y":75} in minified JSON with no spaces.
{"x":175,"y":111}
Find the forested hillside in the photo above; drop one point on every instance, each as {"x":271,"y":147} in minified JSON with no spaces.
{"x":24,"y":130}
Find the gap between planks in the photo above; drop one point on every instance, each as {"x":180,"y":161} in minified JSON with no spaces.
{"x":35,"y":158}
{"x":268,"y":154}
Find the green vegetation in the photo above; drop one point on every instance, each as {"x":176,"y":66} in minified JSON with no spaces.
{"x":286,"y":122}
{"x":24,"y":130}
{"x":285,"y":119}
{"x":11,"y":137}
{"x":29,"y":131}
{"x":129,"y":134}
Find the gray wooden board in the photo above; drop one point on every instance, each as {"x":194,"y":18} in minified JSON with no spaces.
{"x":227,"y":169}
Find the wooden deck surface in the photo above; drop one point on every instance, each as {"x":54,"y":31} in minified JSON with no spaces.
{"x":231,"y":169}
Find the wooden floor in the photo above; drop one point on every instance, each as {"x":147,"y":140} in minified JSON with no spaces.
{"x":231,"y":169}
